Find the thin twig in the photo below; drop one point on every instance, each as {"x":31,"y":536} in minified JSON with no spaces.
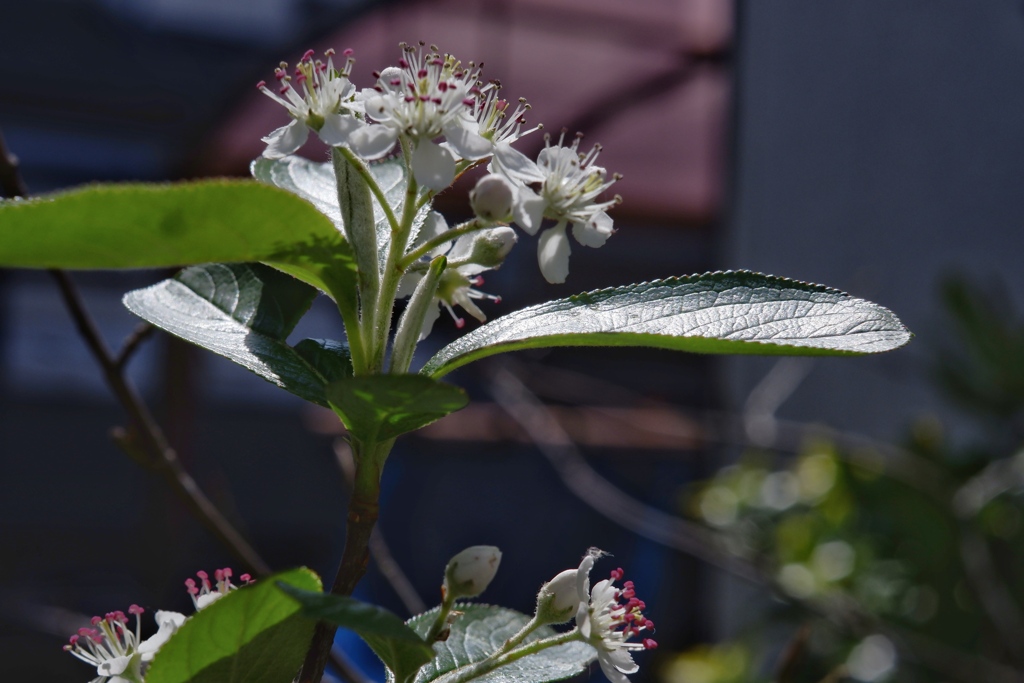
{"x":557,"y":446}
{"x":150,"y":437}
{"x":379,"y":549}
{"x":10,"y":178}
{"x":131,"y":343}
{"x":604,"y":497}
{"x":151,"y":441}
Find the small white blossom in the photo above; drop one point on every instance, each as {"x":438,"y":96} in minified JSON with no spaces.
{"x":119,"y":653}
{"x":205,"y":593}
{"x":557,"y":601}
{"x":470,"y":572}
{"x":468,"y":256}
{"x":608,"y":617}
{"x":425,"y":97}
{"x":324,"y":104}
{"x":492,"y":198}
{"x":564,"y":186}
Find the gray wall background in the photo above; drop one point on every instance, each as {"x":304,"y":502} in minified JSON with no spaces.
{"x":879,"y":146}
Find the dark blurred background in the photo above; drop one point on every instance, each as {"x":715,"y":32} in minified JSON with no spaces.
{"x":877,"y":147}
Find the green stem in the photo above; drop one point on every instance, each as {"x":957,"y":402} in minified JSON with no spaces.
{"x":501,"y":658}
{"x":363,"y":510}
{"x":445,"y":237}
{"x":411,"y":323}
{"x":392,"y":275}
{"x":531,"y":626}
{"x":441,"y":621}
{"x":360,"y":167}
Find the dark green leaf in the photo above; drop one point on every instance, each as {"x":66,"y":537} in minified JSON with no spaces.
{"x":329,"y":358}
{"x":398,"y":646}
{"x":252,"y":635}
{"x":482,"y":629}
{"x":735,"y":312}
{"x":380,"y":407}
{"x":245,"y":312}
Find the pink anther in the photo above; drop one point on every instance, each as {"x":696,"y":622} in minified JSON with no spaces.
{"x":245,"y":578}
{"x":261,"y":85}
{"x":307,"y":54}
{"x":135,"y":609}
{"x":650,"y":644}
{"x":460,"y":323}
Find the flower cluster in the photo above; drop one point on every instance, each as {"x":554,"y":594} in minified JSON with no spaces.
{"x":119,"y":653}
{"x":446,"y":119}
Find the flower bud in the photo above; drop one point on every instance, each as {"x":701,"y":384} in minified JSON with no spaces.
{"x":490,"y":247}
{"x":492,"y":198}
{"x":558,"y":599}
{"x":469,"y":573}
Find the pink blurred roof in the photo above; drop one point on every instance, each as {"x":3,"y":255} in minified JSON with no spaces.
{"x":628,"y":73}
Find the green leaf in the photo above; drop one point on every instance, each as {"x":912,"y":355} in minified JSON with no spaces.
{"x":329,"y":358}
{"x":380,"y":407}
{"x":161,"y":225}
{"x":252,"y":635}
{"x":482,"y":629}
{"x":735,"y":312}
{"x":245,"y":312}
{"x":399,"y":647}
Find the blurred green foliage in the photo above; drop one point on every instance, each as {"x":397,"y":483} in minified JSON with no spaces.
{"x":888,"y":563}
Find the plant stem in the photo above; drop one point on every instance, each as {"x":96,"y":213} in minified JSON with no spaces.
{"x":441,"y":621}
{"x":500,"y":659}
{"x":363,"y":511}
{"x":443,"y":238}
{"x":532,"y":625}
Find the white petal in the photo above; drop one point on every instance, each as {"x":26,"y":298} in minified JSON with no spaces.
{"x":613,"y":674}
{"x":462,"y":248}
{"x":112,"y":667}
{"x":466,"y":143}
{"x":595,"y":232}
{"x":433,"y":166}
{"x":583,"y":577}
{"x":337,"y":129}
{"x":528,"y":210}
{"x":462,"y":299}
{"x":553,"y":254}
{"x":621,"y":660}
{"x":583,"y":620}
{"x":434,"y":225}
{"x":376,"y":107}
{"x":515,"y":165}
{"x":168,"y":623}
{"x":372,"y":142}
{"x":285,"y":140}
{"x":433,"y":313}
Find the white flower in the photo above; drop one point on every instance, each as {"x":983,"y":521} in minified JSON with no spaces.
{"x":608,"y":617}
{"x":425,"y":97}
{"x":119,"y":653}
{"x":469,"y":256}
{"x":557,"y":600}
{"x":492,"y":198}
{"x":470,"y":572}
{"x":206,"y":593}
{"x":324,"y":104}
{"x":564,"y":186}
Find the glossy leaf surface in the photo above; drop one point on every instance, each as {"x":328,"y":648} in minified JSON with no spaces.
{"x":735,"y":312}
